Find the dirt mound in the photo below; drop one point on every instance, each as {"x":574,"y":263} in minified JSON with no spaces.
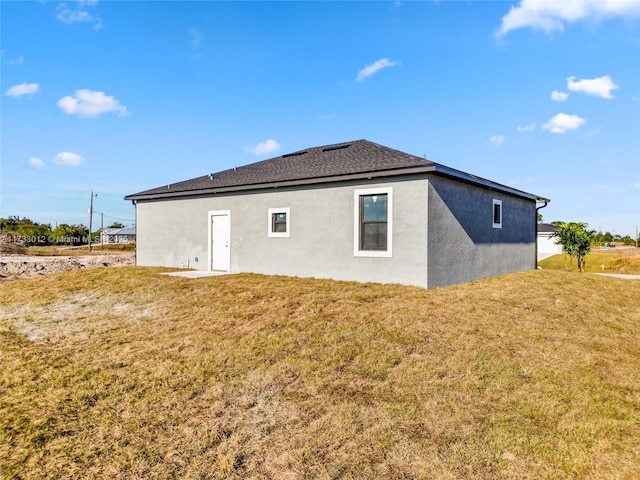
{"x":22,"y":266}
{"x":10,"y":244}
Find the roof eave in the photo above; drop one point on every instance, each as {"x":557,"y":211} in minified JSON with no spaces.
{"x":472,"y":179}
{"x":431,"y":168}
{"x":288,"y":183}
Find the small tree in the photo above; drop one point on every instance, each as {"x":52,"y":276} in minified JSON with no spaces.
{"x":627,"y":240}
{"x":576,"y":240}
{"x":116,"y":225}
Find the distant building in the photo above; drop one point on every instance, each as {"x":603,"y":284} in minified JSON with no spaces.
{"x":547,"y":246}
{"x":118,"y":235}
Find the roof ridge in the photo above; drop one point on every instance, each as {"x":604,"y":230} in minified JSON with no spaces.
{"x":288,"y":155}
{"x":347,"y":158}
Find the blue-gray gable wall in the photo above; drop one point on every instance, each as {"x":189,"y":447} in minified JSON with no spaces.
{"x":463,"y":245}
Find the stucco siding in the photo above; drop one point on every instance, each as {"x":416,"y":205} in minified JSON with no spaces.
{"x":168,"y":236}
{"x":463,"y":245}
{"x":174,"y":233}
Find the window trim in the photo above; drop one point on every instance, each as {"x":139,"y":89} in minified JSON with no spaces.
{"x":493,"y":213}
{"x":356,"y":222}
{"x":273,"y":211}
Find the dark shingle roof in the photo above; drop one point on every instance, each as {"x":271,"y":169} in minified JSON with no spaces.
{"x":360,"y":156}
{"x":340,"y":161}
{"x":547,"y":228}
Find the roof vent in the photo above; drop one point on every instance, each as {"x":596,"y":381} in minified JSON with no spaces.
{"x":336,"y":147}
{"x":211,"y":176}
{"x":295,"y":154}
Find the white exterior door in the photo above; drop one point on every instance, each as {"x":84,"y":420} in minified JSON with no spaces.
{"x":220,"y":240}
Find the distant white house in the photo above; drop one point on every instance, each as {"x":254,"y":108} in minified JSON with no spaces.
{"x":547,"y":246}
{"x":118,"y":235}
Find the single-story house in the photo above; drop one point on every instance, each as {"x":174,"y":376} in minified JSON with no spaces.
{"x":350,"y":211}
{"x":118,"y":235}
{"x":547,"y":246}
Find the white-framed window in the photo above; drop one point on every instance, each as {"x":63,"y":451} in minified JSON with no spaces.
{"x":279,"y":222}
{"x":373,"y":222}
{"x":497,"y":213}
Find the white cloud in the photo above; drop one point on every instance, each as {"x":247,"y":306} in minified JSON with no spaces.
{"x":526,"y":128}
{"x":79,"y":14}
{"x":23,"y":89}
{"x":68,"y":16}
{"x":327,"y":117}
{"x":635,"y":98}
{"x":263,"y":148}
{"x":17,"y":61}
{"x":636,"y":185}
{"x":34,"y":162}
{"x":557,"y":96}
{"x":550,"y":15}
{"x":599,"y":87}
{"x":68,"y":159}
{"x":369,"y":70}
{"x":562,"y":123}
{"x":196,"y":37}
{"x":87,"y":103}
{"x":497,"y":139}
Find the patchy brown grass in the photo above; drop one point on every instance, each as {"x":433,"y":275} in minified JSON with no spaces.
{"x":609,"y":260}
{"x":625,"y":264}
{"x":126,"y":373}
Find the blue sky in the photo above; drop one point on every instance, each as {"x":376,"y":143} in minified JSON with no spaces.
{"x":118,"y":97}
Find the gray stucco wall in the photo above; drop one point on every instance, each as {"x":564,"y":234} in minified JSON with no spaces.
{"x":174,"y":233}
{"x":462,"y":243}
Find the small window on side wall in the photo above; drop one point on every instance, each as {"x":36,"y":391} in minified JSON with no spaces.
{"x":279,"y":222}
{"x":497,"y":213}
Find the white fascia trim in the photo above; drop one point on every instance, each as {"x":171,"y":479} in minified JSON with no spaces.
{"x":270,"y":212}
{"x":356,"y":222}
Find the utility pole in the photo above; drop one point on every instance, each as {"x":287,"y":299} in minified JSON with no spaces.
{"x":91,"y":216}
{"x":102,"y":230}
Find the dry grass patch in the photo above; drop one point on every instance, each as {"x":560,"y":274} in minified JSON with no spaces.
{"x":627,"y":264}
{"x":125,"y":373}
{"x":610,"y":260}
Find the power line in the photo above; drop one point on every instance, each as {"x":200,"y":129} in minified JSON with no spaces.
{"x":116,"y":218}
